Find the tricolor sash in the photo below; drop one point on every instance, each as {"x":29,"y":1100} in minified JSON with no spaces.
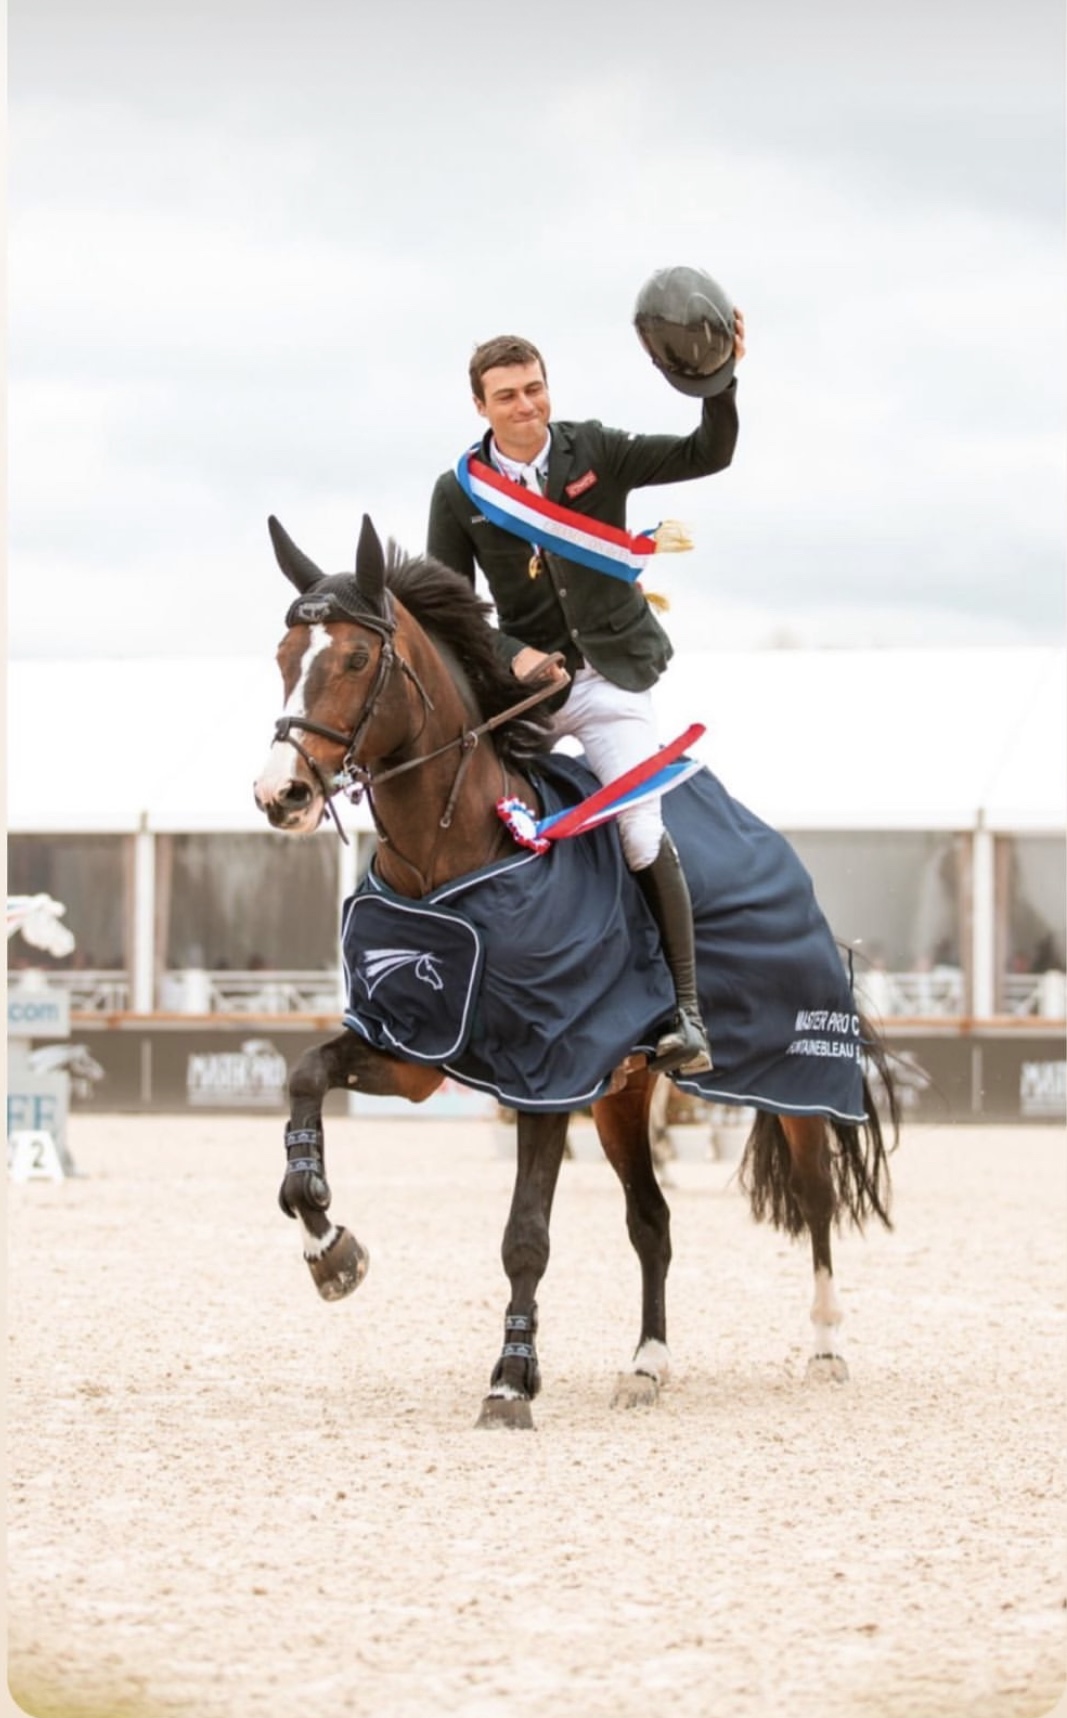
{"x":546,"y":524}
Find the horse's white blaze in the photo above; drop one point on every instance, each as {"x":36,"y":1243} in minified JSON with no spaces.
{"x":277,"y":772}
{"x":316,"y":1245}
{"x":654,"y":1358}
{"x":826,"y":1314}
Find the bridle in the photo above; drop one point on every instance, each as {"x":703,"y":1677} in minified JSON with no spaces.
{"x":353,"y":779}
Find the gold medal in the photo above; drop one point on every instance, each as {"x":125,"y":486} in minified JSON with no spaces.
{"x":535,"y":564}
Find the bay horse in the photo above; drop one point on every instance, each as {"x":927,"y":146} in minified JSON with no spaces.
{"x":393,"y":688}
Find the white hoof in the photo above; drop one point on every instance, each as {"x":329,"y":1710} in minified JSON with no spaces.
{"x":827,"y":1369}
{"x":635,"y":1390}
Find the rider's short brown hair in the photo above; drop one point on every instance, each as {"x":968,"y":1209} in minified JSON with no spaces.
{"x":502,"y":349}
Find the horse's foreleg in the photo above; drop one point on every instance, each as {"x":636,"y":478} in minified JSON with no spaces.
{"x":516,"y":1377}
{"x":336,"y":1260}
{"x":813,"y":1188}
{"x":622,"y":1121}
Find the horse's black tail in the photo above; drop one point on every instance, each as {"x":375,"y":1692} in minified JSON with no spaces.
{"x":859,"y":1157}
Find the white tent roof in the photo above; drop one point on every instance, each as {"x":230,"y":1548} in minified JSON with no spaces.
{"x":882,"y":739}
{"x":816,"y":739}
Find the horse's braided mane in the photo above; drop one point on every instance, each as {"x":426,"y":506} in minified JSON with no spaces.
{"x":449,"y":609}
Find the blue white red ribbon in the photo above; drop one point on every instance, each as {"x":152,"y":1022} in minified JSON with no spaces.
{"x":548,"y":525}
{"x":656,"y":775}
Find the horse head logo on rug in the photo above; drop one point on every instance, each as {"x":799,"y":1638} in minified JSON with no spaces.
{"x":374,"y":964}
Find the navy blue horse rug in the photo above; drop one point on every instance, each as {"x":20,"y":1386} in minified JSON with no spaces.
{"x":533,"y":978}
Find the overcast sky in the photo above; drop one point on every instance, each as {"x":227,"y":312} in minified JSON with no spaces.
{"x":252,"y":246}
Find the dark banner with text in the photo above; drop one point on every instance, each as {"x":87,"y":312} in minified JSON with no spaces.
{"x":941,"y":1078}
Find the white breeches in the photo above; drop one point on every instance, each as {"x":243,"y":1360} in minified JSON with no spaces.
{"x":616,"y":729}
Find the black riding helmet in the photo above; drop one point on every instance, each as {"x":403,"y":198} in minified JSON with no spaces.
{"x":685,"y":322}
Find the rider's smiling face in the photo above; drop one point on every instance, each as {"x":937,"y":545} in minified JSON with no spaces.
{"x":517,"y":408}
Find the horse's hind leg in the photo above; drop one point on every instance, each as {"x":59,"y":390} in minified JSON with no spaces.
{"x":803,"y":1172}
{"x":812,"y":1179}
{"x":622,"y":1121}
{"x":516,"y":1377}
{"x":336,"y":1260}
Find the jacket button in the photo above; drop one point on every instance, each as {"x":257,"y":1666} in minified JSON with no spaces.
{"x":574,"y":632}
{"x":562,"y":590}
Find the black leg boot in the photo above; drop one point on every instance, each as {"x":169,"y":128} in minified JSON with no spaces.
{"x":685,"y":1048}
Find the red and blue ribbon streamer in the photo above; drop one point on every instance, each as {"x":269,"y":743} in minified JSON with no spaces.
{"x":656,"y":775}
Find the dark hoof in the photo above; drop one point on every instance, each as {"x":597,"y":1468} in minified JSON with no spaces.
{"x":341,"y":1268}
{"x":511,"y":1412}
{"x":827,"y":1369}
{"x":635,"y":1390}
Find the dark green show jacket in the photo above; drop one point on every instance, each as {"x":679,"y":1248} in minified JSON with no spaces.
{"x":589,"y":616}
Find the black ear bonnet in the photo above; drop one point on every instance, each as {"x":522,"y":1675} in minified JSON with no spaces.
{"x":360,"y":596}
{"x":338,"y":597}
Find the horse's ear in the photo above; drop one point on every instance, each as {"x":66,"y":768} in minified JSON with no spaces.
{"x":370,"y":566}
{"x":293,"y":562}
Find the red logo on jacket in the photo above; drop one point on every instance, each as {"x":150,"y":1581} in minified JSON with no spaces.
{"x":580,"y":485}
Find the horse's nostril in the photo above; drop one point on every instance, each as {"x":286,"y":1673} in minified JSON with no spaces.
{"x":295,"y":794}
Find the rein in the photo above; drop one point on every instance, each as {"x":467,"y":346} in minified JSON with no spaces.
{"x":353,"y":778}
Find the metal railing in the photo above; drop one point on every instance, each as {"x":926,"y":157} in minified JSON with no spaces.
{"x":938,"y":993}
{"x":105,"y":992}
{"x":1040,"y":993}
{"x":942,"y":993}
{"x":275,"y":992}
{"x":197,"y":992}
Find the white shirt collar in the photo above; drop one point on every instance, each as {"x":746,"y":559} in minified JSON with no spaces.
{"x":520,"y":471}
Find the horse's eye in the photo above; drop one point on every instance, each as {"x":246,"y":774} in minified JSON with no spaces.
{"x":358,"y":659}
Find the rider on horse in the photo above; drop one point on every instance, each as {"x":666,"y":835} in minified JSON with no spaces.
{"x":540,"y":506}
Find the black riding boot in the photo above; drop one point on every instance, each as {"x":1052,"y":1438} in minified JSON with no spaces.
{"x":685,"y":1048}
